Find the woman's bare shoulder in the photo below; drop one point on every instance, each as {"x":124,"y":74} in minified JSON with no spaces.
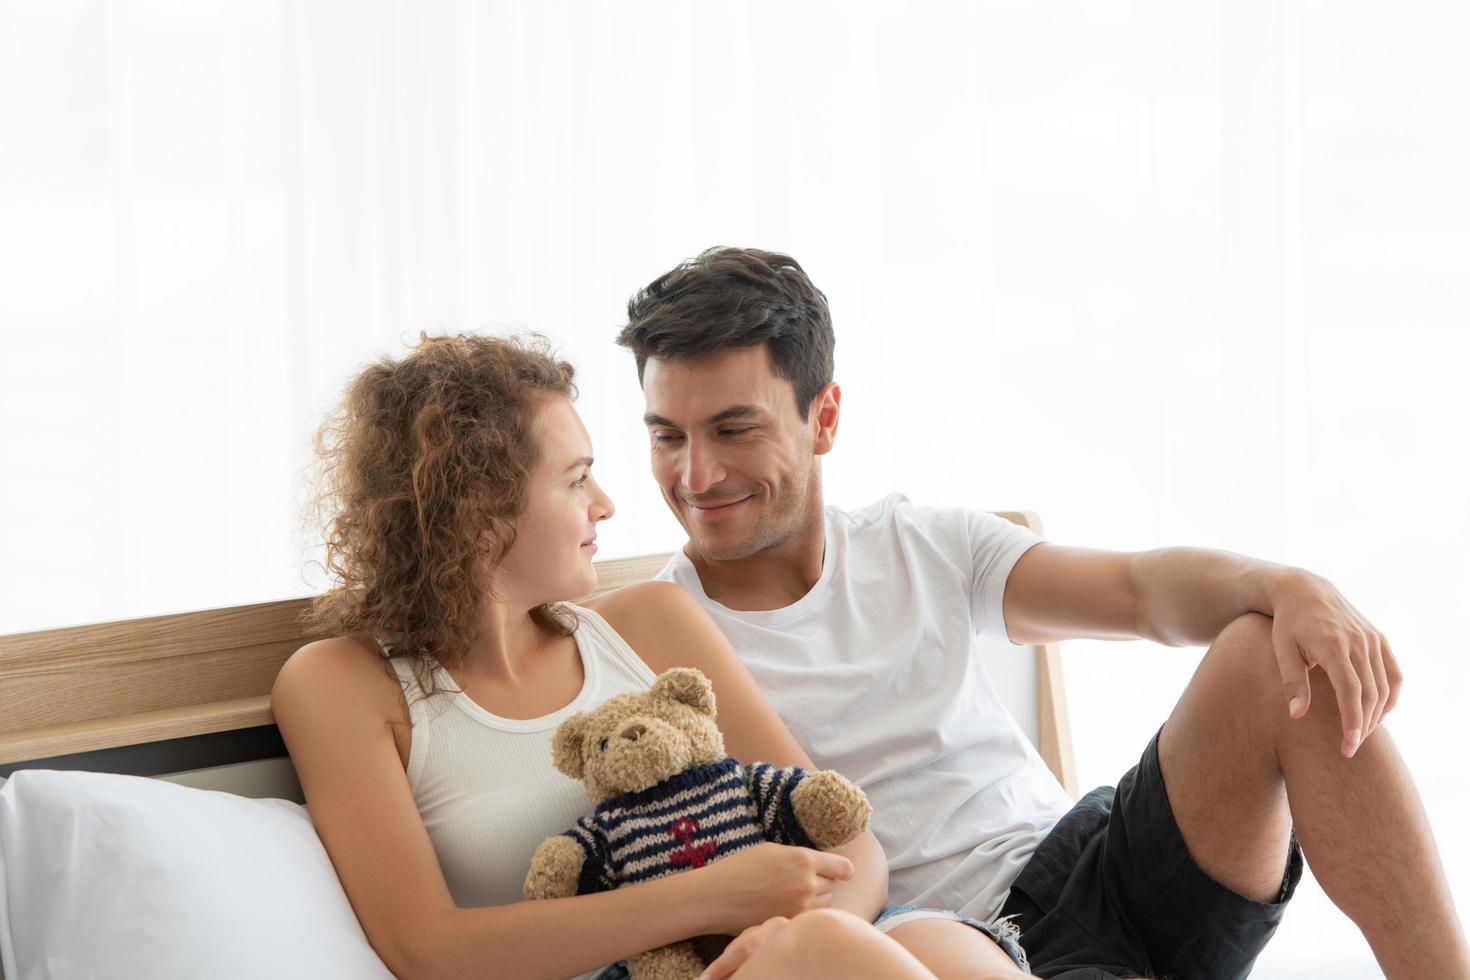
{"x":338,"y":668}
{"x":334,"y":702}
{"x":349,"y":655}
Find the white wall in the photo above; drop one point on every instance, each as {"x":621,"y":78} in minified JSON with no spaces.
{"x":1166,"y":272}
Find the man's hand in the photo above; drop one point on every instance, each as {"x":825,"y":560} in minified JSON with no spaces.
{"x":1186,"y":596}
{"x":1314,"y":626}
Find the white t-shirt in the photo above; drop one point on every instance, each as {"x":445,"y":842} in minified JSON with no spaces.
{"x":875,"y":673}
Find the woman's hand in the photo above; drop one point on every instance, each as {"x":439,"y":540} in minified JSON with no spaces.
{"x":743,"y":947}
{"x":771,"y":880}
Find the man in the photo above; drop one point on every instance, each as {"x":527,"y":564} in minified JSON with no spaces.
{"x":859,"y":628}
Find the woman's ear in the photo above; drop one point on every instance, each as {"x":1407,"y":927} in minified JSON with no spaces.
{"x":566,"y":745}
{"x":497,"y":538}
{"x":687,"y":686}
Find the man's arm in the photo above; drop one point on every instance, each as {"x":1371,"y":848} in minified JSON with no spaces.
{"x":1186,"y":596}
{"x":1174,"y":596}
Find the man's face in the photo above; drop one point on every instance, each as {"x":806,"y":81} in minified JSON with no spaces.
{"x":736,"y":463}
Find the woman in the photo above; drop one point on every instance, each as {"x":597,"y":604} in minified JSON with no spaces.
{"x":463,"y":517}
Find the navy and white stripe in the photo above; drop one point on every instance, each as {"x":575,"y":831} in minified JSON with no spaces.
{"x":701,"y":815}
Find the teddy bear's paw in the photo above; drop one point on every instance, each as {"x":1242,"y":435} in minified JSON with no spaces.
{"x":832,"y":810}
{"x":675,"y":962}
{"x":555,"y":869}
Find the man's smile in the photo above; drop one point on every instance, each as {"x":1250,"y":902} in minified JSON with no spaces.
{"x":711,"y":507}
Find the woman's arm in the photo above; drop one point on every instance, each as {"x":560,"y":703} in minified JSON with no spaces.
{"x":561,"y":937}
{"x":334,"y":705}
{"x":667,"y":628}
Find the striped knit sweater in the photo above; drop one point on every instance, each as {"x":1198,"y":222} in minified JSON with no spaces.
{"x":688,"y":820}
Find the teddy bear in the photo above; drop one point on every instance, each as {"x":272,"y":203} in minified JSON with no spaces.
{"x":668,"y":799}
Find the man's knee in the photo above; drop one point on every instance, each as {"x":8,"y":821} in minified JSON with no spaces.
{"x":1249,"y":681}
{"x":1245,"y":659}
{"x":1251,"y":631}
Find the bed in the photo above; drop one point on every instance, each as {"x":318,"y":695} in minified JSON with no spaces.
{"x":210,"y":858}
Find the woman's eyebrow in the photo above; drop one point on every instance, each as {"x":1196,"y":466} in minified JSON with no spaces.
{"x":584,"y":461}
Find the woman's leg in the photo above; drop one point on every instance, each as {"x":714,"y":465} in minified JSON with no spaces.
{"x":833,"y":943}
{"x":825,"y":942}
{"x":952,"y":950}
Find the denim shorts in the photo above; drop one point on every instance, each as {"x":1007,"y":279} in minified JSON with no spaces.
{"x":1113,"y":892}
{"x":1003,"y":933}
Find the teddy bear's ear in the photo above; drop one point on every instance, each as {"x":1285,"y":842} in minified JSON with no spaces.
{"x":566,"y":745}
{"x":686,"y":685}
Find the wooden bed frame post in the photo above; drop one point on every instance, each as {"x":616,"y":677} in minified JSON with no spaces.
{"x":1053,"y":722}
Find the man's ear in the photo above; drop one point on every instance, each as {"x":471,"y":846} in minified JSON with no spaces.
{"x":826,"y":408}
{"x":687,"y":686}
{"x":566,"y":745}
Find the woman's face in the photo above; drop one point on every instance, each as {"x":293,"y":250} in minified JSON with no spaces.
{"x":551,"y":559}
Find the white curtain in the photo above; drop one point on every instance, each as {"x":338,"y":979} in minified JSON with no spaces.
{"x":1165,"y":272}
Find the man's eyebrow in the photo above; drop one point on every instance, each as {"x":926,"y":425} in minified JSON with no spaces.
{"x":724,"y":415}
{"x":737,"y":412}
{"x":584,"y":461}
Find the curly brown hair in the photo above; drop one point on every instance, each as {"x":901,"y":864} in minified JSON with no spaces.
{"x":426,"y":460}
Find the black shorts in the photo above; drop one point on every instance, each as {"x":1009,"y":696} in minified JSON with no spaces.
{"x":1113,"y":892}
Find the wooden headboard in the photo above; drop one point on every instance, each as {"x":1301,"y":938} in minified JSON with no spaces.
{"x":198,"y":684}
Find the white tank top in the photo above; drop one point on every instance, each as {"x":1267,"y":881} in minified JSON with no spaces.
{"x":485,"y":785}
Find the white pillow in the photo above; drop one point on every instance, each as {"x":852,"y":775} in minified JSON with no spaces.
{"x":126,"y":877}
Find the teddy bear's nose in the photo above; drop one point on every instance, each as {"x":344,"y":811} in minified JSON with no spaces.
{"x":633,"y":732}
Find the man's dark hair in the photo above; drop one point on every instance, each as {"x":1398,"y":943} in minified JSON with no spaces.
{"x":736,"y":297}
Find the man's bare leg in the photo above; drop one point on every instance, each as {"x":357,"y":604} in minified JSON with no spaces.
{"x":1239,"y":772}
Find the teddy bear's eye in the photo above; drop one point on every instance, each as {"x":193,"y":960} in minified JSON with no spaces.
{"x":603,"y":746}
